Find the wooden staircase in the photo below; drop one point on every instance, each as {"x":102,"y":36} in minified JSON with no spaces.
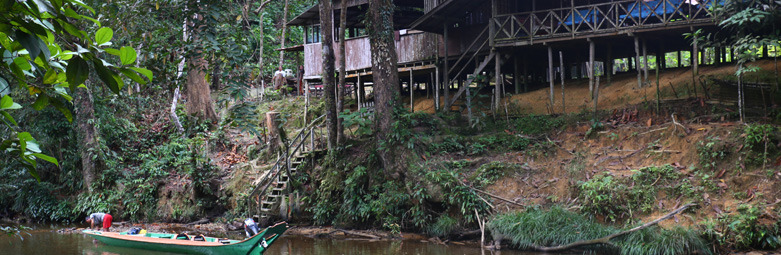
{"x":270,"y":188}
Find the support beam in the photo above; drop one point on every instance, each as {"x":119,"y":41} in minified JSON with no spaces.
{"x":645,"y":62}
{"x":591,"y":74}
{"x":517,"y":75}
{"x":637,"y":63}
{"x":563,"y":71}
{"x":695,"y":65}
{"x":411,"y":91}
{"x":609,"y":63}
{"x":359,"y":89}
{"x":446,"y":70}
{"x":498,"y":81}
{"x":437,"y":86}
{"x":550,"y":75}
{"x":525,"y":72}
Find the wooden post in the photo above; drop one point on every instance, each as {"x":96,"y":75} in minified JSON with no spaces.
{"x":445,"y":72}
{"x":436,"y":88}
{"x":492,"y":24}
{"x":517,"y":75}
{"x":695,"y":65}
{"x":498,"y":80}
{"x":411,"y":91}
{"x":561,"y":66}
{"x":525,"y":72}
{"x":360,"y":91}
{"x":637,"y":62}
{"x":658,"y":92}
{"x":591,"y":67}
{"x":609,"y":63}
{"x":550,"y":74}
{"x":645,"y":61}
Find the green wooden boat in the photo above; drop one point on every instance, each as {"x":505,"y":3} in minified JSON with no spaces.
{"x":182,"y":243}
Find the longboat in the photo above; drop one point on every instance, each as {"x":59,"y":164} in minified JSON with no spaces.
{"x":185,"y":244}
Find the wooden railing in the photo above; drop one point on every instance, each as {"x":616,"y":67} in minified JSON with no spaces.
{"x":298,"y":143}
{"x":599,"y":18}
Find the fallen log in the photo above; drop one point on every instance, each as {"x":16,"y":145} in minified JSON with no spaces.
{"x":354,"y":233}
{"x":606,"y":239}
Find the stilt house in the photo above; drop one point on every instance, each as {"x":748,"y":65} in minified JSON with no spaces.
{"x":445,"y":45}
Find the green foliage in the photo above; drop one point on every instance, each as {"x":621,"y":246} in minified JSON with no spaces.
{"x":538,"y":124}
{"x":479,"y":145}
{"x":616,"y":198}
{"x":744,"y":229}
{"x":655,"y":240}
{"x":360,"y":120}
{"x":760,"y":140}
{"x":711,"y":151}
{"x":558,"y":226}
{"x":444,"y":226}
{"x":48,"y":56}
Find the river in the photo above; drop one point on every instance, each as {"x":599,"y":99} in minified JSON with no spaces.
{"x":48,"y":241}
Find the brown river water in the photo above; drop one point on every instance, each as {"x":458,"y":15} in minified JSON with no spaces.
{"x":48,"y":241}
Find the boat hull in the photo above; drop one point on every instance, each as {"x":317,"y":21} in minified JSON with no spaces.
{"x":255,"y":245}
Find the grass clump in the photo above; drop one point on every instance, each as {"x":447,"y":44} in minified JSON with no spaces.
{"x":558,"y":226}
{"x":444,"y":226}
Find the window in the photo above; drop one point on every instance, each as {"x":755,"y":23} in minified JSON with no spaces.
{"x":313,"y":34}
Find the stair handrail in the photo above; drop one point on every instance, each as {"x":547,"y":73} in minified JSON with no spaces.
{"x":282,"y":161}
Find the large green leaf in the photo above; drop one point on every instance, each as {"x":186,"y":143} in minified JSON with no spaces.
{"x":5,"y":89}
{"x":7,"y":103}
{"x":127,"y":55}
{"x":8,"y":118}
{"x":41,"y":102}
{"x":47,"y":158}
{"x":77,"y":72}
{"x":132,"y":75}
{"x":29,"y":42}
{"x":107,"y":76}
{"x":103,"y":35}
{"x":143,"y":71}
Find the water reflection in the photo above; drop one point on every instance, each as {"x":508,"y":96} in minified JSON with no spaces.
{"x":45,"y":241}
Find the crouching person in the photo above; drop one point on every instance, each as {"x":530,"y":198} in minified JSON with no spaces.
{"x":100,"y":219}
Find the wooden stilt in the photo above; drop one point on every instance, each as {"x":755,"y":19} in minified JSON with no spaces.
{"x":517,"y":75}
{"x":411,"y":91}
{"x":680,"y":59}
{"x":525,"y":72}
{"x":695,"y":65}
{"x":550,"y":74}
{"x":637,"y":63}
{"x":609,"y":64}
{"x":446,"y":70}
{"x":591,"y":67}
{"x":360,"y":91}
{"x":437,"y":87}
{"x":561,"y":65}
{"x":499,"y":82}
{"x":645,"y":62}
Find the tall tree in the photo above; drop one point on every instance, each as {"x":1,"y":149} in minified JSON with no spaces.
{"x":88,"y":135}
{"x":199,"y":100}
{"x":386,"y":80}
{"x":342,"y":71}
{"x":284,"y":31}
{"x":327,"y":28}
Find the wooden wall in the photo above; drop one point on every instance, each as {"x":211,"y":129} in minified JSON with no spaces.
{"x":409,"y":48}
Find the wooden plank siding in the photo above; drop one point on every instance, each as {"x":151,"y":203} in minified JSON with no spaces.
{"x":413,"y":47}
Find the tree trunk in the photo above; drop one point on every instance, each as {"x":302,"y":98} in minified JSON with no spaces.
{"x":199,"y":101}
{"x":284,"y":31}
{"x":386,"y":78}
{"x":88,"y":135}
{"x":326,"y":22}
{"x":342,"y":72}
{"x":260,"y":54}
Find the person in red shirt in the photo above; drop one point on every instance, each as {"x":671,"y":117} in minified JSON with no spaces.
{"x":100,"y":219}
